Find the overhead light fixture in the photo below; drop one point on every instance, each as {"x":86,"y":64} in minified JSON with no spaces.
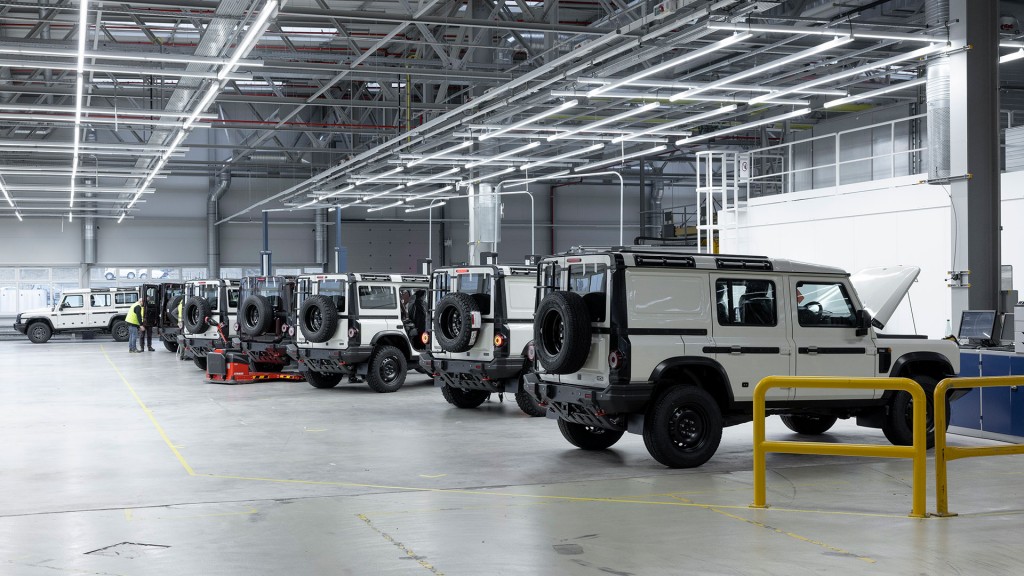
{"x":431,"y":193}
{"x":857,"y":33}
{"x":425,"y":207}
{"x":639,"y":95}
{"x":695,"y":119}
{"x":251,"y":35}
{"x":432,"y":177}
{"x":550,"y":112}
{"x":384,"y":193}
{"x":875,"y":93}
{"x":436,"y":155}
{"x":754,"y":124}
{"x":7,"y":195}
{"x":560,"y":157}
{"x":710,"y":49}
{"x":463,"y":183}
{"x":503,"y":155}
{"x":525,"y":181}
{"x":1011,"y":56}
{"x":361,"y":180}
{"x":834,"y":43}
{"x":386,"y":206}
{"x":18,"y":214}
{"x":851,"y":72}
{"x":631,"y":155}
{"x":122,"y":217}
{"x":605,"y":121}
{"x":330,"y":195}
{"x":70,"y":217}
{"x":673,"y":85}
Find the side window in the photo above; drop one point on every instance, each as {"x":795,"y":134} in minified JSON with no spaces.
{"x":479,"y":287}
{"x":591,"y":282}
{"x":377,"y":298}
{"x":746,"y":302}
{"x":73,"y":301}
{"x":232,"y":297}
{"x":824,"y":304}
{"x":335,"y":291}
{"x":405,"y":296}
{"x":126,"y":298}
{"x":100,"y":300}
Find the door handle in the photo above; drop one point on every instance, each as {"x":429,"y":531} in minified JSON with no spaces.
{"x":736,"y":350}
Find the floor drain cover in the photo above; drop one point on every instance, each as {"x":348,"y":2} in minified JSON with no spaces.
{"x":128,"y":550}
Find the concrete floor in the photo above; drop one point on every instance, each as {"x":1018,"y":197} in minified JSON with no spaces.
{"x":117,"y":463}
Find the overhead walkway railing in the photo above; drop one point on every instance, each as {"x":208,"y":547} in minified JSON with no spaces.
{"x":917,"y":452}
{"x":943,"y":453}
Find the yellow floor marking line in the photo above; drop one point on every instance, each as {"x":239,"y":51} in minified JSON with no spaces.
{"x":149,"y":413}
{"x":828,"y":547}
{"x":431,"y":476}
{"x":128,"y":514}
{"x":316,"y":429}
{"x":419,"y":559}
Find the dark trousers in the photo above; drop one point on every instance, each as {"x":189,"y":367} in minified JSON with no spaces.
{"x":145,"y":337}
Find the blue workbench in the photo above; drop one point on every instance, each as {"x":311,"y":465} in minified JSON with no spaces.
{"x":990,"y":412}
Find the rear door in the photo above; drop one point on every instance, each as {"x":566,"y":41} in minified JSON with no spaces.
{"x":751,"y":337}
{"x":825,"y":334}
{"x":378,"y":308}
{"x":101,"y":308}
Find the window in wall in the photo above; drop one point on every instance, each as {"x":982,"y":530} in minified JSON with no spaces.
{"x":65,"y":275}
{"x":193,"y":273}
{"x":8,"y":274}
{"x":746,"y":302}
{"x":34,"y":274}
{"x":230,"y":272}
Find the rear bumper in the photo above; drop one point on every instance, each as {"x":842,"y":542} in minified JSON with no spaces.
{"x":326,"y":360}
{"x":266,"y":352}
{"x":608,"y":407}
{"x":200,"y":347}
{"x":493,"y":376}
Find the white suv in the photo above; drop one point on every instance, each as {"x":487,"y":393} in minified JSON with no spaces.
{"x":482,"y":320}
{"x":356,"y":325}
{"x":80,"y":311}
{"x":209,"y":312}
{"x":671,"y":345}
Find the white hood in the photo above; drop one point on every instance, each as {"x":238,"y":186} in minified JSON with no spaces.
{"x":36,"y":312}
{"x":882,"y":289}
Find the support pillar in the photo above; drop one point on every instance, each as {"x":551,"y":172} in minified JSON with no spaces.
{"x":974,"y":150}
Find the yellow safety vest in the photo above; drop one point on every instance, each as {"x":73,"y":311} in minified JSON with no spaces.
{"x":132,"y":317}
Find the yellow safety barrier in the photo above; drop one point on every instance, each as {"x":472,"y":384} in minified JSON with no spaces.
{"x":918,"y":451}
{"x":945,"y":453}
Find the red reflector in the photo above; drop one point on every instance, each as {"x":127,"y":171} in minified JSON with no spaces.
{"x":573,"y":260}
{"x":462,"y":270}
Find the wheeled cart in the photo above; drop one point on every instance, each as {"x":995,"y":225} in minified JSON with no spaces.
{"x":233,"y":367}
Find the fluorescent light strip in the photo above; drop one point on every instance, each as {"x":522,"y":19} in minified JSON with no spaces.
{"x":803,"y":30}
{"x":655,"y":150}
{"x":326,"y":196}
{"x":572,"y":154}
{"x":503,"y":155}
{"x":384,"y":193}
{"x":851,"y":72}
{"x":251,"y":36}
{"x":622,"y":94}
{"x":834,"y":43}
{"x":18,"y":214}
{"x":525,"y":181}
{"x":427,"y":207}
{"x":696,"y":118}
{"x":670,"y":64}
{"x":874,"y":93}
{"x":431,"y":177}
{"x":6,"y":194}
{"x":560,"y":108}
{"x":605,"y":121}
{"x":436,"y":155}
{"x":123,"y":213}
{"x":1011,"y":56}
{"x":508,"y":170}
{"x":386,"y":206}
{"x":426,"y":194}
{"x":724,"y":131}
{"x":668,"y":85}
{"x":378,"y":176}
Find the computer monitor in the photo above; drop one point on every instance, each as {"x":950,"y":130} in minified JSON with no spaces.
{"x":977,"y":326}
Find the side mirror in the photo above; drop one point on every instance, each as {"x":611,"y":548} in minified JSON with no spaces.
{"x":863,"y":322}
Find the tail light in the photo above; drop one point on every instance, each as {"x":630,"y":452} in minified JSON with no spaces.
{"x":291,"y":330}
{"x":499,"y":340}
{"x":238,"y":327}
{"x":425,"y":338}
{"x":353,"y":332}
{"x":531,"y":352}
{"x":616,"y":359}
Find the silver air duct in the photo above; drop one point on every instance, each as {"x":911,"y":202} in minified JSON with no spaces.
{"x":936,"y":16}
{"x":212,"y":236}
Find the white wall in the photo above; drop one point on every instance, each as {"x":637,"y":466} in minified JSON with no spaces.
{"x":879,"y":223}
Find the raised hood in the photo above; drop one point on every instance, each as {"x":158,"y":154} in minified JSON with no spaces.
{"x":881,"y":289}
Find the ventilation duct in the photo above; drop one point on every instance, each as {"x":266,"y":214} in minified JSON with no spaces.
{"x":936,"y":16}
{"x":320,"y":238}
{"x":212,"y":235}
{"x":519,"y":47}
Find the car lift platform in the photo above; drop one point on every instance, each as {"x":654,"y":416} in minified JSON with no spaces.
{"x":233,"y":367}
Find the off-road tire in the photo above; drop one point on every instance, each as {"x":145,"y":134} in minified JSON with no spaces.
{"x":386,"y":369}
{"x":196,"y":311}
{"x":683,"y":427}
{"x":256,"y":315}
{"x":120,"y":331}
{"x":318,"y":318}
{"x":809,"y":424}
{"x":322,"y":380}
{"x":39,"y":332}
{"x":898,"y":424}
{"x":528,"y":404}
{"x":561,"y":332}
{"x":453,"y":322}
{"x":464,"y":398}
{"x":172,"y":308}
{"x":200,"y":362}
{"x":171,"y":346}
{"x":588,"y":437}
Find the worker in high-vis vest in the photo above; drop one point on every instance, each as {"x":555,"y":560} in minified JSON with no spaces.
{"x":134,"y":320}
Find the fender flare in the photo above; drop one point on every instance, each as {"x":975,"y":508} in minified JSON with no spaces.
{"x":692,"y":361}
{"x":34,"y":319}
{"x":110,"y":325}
{"x":406,"y":347}
{"x":933,"y":358}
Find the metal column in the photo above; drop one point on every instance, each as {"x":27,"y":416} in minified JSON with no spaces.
{"x":974,"y":150}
